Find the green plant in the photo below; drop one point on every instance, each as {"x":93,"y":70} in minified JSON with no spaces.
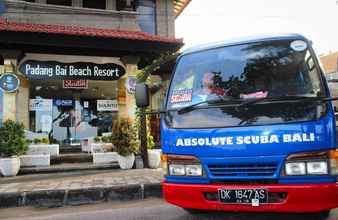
{"x":150,"y":138}
{"x":98,"y":139}
{"x":36,"y":140}
{"x":150,"y":141}
{"x":124,"y":137}
{"x":44,"y":140}
{"x":106,"y":139}
{"x":12,"y":139}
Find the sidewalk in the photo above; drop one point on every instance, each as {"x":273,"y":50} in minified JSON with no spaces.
{"x":77,"y":189}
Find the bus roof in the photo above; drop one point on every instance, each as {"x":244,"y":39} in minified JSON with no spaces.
{"x":242,"y":40}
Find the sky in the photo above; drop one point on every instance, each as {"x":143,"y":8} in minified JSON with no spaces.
{"x":205,"y":21}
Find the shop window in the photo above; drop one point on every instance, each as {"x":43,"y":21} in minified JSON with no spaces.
{"x":60,"y":2}
{"x":69,"y":116}
{"x":147,"y":15}
{"x":98,"y":4}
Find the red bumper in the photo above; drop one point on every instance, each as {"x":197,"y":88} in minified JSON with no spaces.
{"x":296,"y":197}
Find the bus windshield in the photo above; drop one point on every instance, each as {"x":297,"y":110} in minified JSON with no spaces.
{"x":239,"y":73}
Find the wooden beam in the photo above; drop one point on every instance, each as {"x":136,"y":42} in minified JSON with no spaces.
{"x":180,"y":5}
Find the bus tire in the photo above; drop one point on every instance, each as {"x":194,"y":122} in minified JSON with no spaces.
{"x":323,"y":215}
{"x":195,"y":211}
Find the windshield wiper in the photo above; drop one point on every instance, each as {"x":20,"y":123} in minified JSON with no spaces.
{"x":285,"y":99}
{"x":186,"y":109}
{"x":222,"y":100}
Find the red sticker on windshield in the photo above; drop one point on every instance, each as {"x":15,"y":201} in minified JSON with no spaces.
{"x":181,"y":95}
{"x":259,"y":94}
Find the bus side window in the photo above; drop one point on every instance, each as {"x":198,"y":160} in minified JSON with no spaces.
{"x":313,"y":73}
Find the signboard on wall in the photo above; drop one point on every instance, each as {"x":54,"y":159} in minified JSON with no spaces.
{"x":131,"y":84}
{"x":2,"y":7}
{"x":34,"y":69}
{"x":63,"y":102}
{"x":107,"y":105}
{"x":9,"y":82}
{"x":40,"y":105}
{"x":75,"y":84}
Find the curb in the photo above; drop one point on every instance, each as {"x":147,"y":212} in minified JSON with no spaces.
{"x":43,"y":170}
{"x":72,"y":197}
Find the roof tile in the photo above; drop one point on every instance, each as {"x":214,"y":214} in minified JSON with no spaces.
{"x":6,"y":25}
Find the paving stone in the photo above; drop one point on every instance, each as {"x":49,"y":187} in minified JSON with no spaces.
{"x":10,"y":200}
{"x":87,"y":196}
{"x":52,"y":198}
{"x":132,"y":192}
{"x":76,"y":190}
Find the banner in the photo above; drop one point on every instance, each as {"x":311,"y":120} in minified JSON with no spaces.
{"x":41,"y":105}
{"x":107,"y":105}
{"x":75,"y":84}
{"x":34,"y":69}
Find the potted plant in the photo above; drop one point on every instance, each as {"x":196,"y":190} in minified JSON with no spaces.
{"x":43,"y":146}
{"x":98,"y":139}
{"x":154,"y":155}
{"x":124,"y":137}
{"x":12,"y":145}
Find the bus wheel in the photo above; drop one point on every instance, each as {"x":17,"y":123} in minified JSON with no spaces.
{"x":323,"y":215}
{"x":196,"y":211}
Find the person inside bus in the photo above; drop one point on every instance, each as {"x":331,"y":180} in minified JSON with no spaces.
{"x":209,"y":90}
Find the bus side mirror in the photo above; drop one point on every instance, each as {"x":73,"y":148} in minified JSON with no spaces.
{"x":142,"y":95}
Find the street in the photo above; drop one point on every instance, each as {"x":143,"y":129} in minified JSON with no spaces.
{"x":147,"y":209}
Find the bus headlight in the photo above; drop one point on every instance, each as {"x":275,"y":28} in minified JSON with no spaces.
{"x":312,"y":163}
{"x":317,"y":168}
{"x":295,"y":168}
{"x":193,"y":170}
{"x":177,"y":165}
{"x":176,"y":170}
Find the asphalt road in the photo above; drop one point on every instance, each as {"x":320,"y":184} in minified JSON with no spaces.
{"x":147,"y":209}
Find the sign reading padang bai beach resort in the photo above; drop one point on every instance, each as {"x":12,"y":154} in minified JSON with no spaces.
{"x":34,"y":69}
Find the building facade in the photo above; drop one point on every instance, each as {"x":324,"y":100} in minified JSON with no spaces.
{"x":74,"y":61}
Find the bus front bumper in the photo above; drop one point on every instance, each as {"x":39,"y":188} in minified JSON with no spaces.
{"x":283,"y":197}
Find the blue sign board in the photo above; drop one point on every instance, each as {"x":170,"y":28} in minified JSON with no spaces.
{"x":1,"y":106}
{"x":63,"y":102}
{"x":2,"y":7}
{"x":9,"y":82}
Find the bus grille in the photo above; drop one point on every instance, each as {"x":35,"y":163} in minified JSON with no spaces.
{"x":243,"y":169}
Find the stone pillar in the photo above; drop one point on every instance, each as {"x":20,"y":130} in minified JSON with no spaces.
{"x":22,"y":102}
{"x":165,"y":18}
{"x":9,"y":99}
{"x":15,"y":104}
{"x":127,"y":105}
{"x":111,"y":5}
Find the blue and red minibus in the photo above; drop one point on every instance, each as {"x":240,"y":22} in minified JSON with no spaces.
{"x":249,"y":125}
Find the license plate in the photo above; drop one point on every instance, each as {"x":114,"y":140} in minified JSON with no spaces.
{"x":247,"y":196}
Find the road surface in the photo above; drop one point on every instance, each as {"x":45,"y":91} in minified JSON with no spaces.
{"x":147,"y":209}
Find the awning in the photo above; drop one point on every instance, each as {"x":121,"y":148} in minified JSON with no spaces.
{"x":81,"y":40}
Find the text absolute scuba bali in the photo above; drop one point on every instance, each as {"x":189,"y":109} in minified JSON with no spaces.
{"x":237,"y":140}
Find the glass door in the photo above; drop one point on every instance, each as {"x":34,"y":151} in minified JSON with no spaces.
{"x":64,"y":121}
